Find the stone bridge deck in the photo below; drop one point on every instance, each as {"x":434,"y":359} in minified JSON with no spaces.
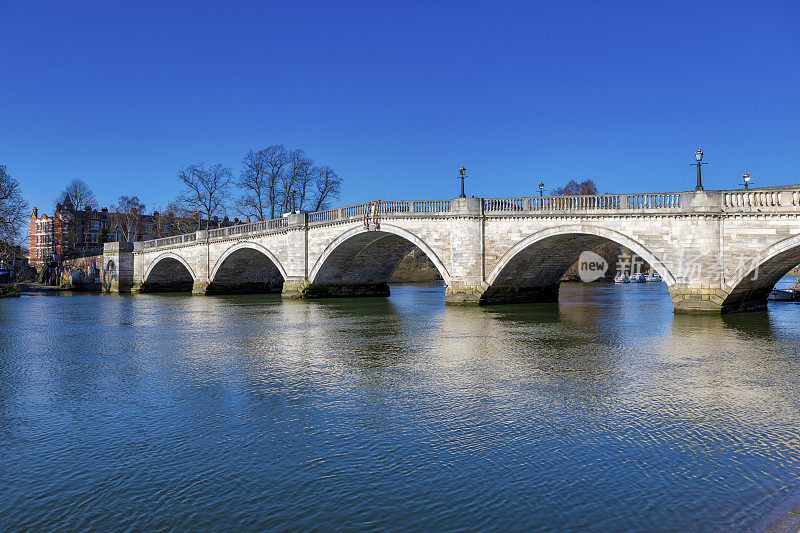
{"x":716,"y":250}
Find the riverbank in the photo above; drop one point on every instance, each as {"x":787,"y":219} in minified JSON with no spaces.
{"x":9,"y":290}
{"x":41,"y":288}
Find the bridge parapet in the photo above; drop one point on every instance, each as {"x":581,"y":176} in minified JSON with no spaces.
{"x":777,"y":199}
{"x":579,"y":203}
{"x":405,"y":207}
{"x":780,"y":199}
{"x":755,"y":198}
{"x":264,"y":226}
{"x":165,"y":241}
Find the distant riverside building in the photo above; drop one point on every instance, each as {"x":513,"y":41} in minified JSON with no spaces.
{"x":67,"y":234}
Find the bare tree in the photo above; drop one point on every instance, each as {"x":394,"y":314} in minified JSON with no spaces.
{"x":327,"y":185}
{"x":174,"y":219}
{"x":573,"y":188}
{"x":276,"y":157}
{"x":253,"y":179}
{"x":295,"y":181}
{"x":75,"y":198}
{"x":261,"y":177}
{"x":13,"y":208}
{"x":277,"y":181}
{"x":78,"y":195}
{"x":206,"y":188}
{"x":163,"y":223}
{"x":186,"y":219}
{"x":127,"y":217}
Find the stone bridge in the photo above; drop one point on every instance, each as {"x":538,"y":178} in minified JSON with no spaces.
{"x":716,"y":250}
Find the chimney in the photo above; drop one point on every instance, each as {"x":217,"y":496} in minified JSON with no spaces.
{"x":35,"y":213}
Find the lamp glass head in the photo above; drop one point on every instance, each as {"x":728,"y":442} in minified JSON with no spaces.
{"x":746,"y":176}
{"x":698,"y":154}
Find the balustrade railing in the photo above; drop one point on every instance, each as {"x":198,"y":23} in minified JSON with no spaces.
{"x":782,"y":197}
{"x":324,"y":216}
{"x":169,"y":241}
{"x":387,"y":207}
{"x":430,"y":206}
{"x":252,"y":227}
{"x":653,"y":201}
{"x":756,"y":198}
{"x":584,"y":202}
{"x":395,"y":207}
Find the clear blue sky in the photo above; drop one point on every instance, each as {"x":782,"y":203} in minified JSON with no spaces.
{"x":396,"y":96}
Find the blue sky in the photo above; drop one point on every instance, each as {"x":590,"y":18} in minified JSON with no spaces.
{"x":397,"y":96}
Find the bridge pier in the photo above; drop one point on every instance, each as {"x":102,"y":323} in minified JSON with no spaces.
{"x":243,"y":287}
{"x":717,"y":300}
{"x":490,"y":295}
{"x":463,"y":294}
{"x":311,"y":291}
{"x":687,"y":299}
{"x":200,"y":287}
{"x":118,"y":267}
{"x":527,"y":294}
{"x":293,"y":289}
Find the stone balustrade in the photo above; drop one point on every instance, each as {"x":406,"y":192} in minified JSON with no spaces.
{"x":775,"y":199}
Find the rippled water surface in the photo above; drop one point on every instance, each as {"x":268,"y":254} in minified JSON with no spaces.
{"x":605,"y":412}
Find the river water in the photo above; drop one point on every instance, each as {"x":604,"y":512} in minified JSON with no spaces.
{"x":605,"y":412}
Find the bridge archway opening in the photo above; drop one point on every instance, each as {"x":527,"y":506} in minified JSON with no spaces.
{"x":533,"y":269}
{"x":751,"y":290}
{"x":110,"y":271}
{"x":361,"y":263}
{"x":168,"y":274}
{"x":246,"y":269}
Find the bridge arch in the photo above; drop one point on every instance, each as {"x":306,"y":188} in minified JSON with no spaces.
{"x":247,"y":267}
{"x":531,"y":270}
{"x":168,"y":272}
{"x":369,"y":257}
{"x":754,"y":279}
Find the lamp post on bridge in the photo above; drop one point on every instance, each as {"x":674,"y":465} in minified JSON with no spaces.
{"x":463,"y":174}
{"x":699,"y":156}
{"x":541,"y":188}
{"x":746,"y":179}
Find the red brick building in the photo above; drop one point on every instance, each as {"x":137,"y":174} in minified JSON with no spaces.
{"x":67,"y":234}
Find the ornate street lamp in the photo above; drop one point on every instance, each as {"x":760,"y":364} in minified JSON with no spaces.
{"x":463,"y":174}
{"x":541,"y":188}
{"x":746,"y":178}
{"x":699,"y":156}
